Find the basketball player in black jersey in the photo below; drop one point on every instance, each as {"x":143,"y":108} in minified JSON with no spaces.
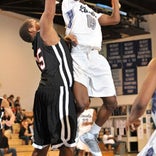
{"x":4,"y":107}
{"x":55,"y":119}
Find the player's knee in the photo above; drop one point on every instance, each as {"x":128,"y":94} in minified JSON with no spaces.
{"x":66,"y":150}
{"x":79,"y":110}
{"x":81,"y":105}
{"x":110,"y":103}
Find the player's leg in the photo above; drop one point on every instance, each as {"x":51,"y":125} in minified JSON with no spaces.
{"x":66,"y":151}
{"x":109,"y":104}
{"x":90,"y":138}
{"x":40,"y":152}
{"x":81,"y":97}
{"x":101,"y":85}
{"x":89,"y":154}
{"x":80,"y":153}
{"x":40,"y":126}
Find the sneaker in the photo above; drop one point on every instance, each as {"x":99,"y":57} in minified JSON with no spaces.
{"x":92,"y":142}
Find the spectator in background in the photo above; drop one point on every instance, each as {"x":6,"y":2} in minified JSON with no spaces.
{"x":5,"y":96}
{"x":4,"y":146}
{"x":11,"y":101}
{"x":4,"y":107}
{"x":25,"y":132}
{"x":17,"y":101}
{"x":8,"y":129}
{"x":110,"y":141}
{"x":19,"y":114}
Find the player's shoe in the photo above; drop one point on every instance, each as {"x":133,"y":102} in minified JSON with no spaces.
{"x":92,"y":142}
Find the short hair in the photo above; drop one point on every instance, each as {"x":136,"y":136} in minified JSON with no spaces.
{"x":24,"y":31}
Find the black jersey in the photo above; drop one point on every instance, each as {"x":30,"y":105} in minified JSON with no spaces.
{"x":53,"y":58}
{"x":55,"y":119}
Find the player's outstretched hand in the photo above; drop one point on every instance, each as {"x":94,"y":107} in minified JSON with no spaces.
{"x":133,"y":126}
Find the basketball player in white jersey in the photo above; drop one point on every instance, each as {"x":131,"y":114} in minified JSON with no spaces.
{"x":147,"y":92}
{"x":85,"y":121}
{"x":92,"y":73}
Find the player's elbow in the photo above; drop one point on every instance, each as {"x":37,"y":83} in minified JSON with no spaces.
{"x":116,"y":20}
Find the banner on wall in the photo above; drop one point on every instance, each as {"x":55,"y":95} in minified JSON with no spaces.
{"x":144,"y":52}
{"x":117,"y":77}
{"x":129,"y":54}
{"x":130,"y":81}
{"x":114,"y":54}
{"x":126,"y":56}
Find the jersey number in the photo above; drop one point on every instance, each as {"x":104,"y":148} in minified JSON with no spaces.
{"x":40,"y":60}
{"x":91,"y":22}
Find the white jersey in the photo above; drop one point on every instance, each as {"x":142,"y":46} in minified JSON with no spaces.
{"x":154,"y":108}
{"x":85,"y":117}
{"x":106,"y":140}
{"x":150,"y":148}
{"x":90,"y":68}
{"x":73,"y":14}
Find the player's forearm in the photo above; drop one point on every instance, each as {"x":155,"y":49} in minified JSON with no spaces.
{"x":116,"y":11}
{"x":49,"y":11}
{"x":50,"y":7}
{"x":136,"y":112}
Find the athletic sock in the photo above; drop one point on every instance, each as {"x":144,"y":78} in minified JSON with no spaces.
{"x":95,"y":129}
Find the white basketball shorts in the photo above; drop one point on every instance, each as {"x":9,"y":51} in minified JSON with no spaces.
{"x":93,"y":71}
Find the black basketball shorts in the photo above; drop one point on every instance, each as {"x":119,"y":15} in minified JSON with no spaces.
{"x":55,"y":120}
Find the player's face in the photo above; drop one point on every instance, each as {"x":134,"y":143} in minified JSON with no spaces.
{"x":35,"y":24}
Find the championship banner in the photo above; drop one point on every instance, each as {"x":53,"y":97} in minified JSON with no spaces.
{"x":124,"y":58}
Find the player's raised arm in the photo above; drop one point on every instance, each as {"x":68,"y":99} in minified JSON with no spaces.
{"x":47,"y":31}
{"x":114,"y":18}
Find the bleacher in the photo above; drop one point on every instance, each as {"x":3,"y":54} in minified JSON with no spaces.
{"x":21,"y":148}
{"x":26,"y":150}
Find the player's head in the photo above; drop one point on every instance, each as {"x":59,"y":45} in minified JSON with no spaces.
{"x":28,"y":30}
